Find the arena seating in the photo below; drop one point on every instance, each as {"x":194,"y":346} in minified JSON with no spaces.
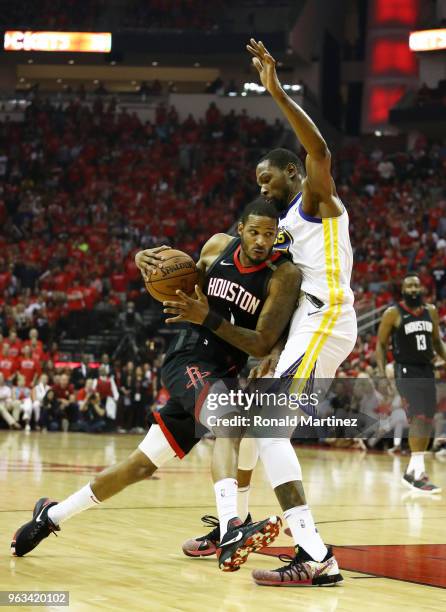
{"x":84,"y":188}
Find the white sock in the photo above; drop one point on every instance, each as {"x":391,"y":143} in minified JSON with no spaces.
{"x":416,"y":464}
{"x":226,"y":498}
{"x":79,"y":501}
{"x":304,"y":531}
{"x":242,"y":502}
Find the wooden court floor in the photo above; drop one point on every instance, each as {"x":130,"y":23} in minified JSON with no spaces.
{"x":126,"y":554}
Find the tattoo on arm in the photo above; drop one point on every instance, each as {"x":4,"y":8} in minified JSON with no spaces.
{"x":276,"y":313}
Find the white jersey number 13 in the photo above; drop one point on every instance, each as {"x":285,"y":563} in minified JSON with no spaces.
{"x":421,"y":342}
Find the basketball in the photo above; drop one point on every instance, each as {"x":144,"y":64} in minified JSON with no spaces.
{"x":178,"y":272}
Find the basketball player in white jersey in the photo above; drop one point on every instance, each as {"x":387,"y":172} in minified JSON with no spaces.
{"x":314,"y":230}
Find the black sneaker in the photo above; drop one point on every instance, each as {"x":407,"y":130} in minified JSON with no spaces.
{"x":205,"y":546}
{"x":301,"y":570}
{"x":32,"y":533}
{"x":240,"y":540}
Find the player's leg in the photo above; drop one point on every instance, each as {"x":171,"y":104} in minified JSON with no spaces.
{"x":420,"y":394}
{"x":237,"y":540}
{"x":206,"y":545}
{"x":247,"y":459}
{"x":314,"y":563}
{"x":160,"y":445}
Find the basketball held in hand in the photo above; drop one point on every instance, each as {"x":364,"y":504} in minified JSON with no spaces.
{"x":178,"y":272}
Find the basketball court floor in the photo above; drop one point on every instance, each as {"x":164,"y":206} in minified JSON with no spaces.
{"x":126,"y":553}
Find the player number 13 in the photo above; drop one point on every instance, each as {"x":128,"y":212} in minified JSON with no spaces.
{"x":421,"y":342}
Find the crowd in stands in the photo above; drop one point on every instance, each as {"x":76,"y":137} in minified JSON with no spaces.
{"x":80,"y":182}
{"x":427,"y":97}
{"x":397,"y":208}
{"x":106,"y":14}
{"x":83,"y":188}
{"x":52,"y":14}
{"x":174,"y":14}
{"x":38,"y":392}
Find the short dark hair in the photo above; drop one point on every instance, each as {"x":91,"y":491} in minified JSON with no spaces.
{"x":261,"y":208}
{"x":410,"y":275}
{"x":282,"y":157}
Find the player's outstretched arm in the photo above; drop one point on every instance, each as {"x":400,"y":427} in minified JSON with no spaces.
{"x":283,"y":292}
{"x":319,"y":192}
{"x":386,"y":326}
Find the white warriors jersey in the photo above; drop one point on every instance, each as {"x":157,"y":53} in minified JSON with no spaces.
{"x":322,"y":250}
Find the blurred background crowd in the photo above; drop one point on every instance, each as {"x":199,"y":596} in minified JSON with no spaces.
{"x":89,"y":175}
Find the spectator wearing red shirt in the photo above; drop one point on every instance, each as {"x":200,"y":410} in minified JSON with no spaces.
{"x":63,"y":389}
{"x":28,"y":367}
{"x":34,"y":343}
{"x":15,"y":344}
{"x":8,"y":364}
{"x":65,"y":393}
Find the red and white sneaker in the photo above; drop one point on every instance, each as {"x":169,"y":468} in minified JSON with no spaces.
{"x":240,"y":540}
{"x":302,"y":570}
{"x":204,"y":546}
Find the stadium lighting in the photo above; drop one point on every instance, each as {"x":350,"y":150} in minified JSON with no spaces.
{"x":428,"y":40}
{"x":255,"y":87}
{"x":295,"y":87}
{"x":82,"y":42}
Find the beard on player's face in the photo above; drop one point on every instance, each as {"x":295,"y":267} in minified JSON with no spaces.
{"x":413,"y":298}
{"x":249,"y":251}
{"x":279,"y":201}
{"x":277,"y":185}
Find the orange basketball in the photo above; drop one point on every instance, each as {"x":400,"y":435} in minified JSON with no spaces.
{"x":178,"y":272}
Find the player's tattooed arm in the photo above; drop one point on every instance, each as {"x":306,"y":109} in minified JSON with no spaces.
{"x":388,"y":322}
{"x":283,"y":292}
{"x":319,"y":191}
{"x":437,"y":342}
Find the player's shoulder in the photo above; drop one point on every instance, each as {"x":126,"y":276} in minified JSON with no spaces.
{"x":286,"y":270}
{"x":391,"y":312}
{"x":216,"y":243}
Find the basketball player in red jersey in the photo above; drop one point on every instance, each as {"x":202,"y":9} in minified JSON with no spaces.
{"x":260,"y":293}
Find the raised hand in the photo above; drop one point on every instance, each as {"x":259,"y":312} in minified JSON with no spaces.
{"x":265,"y":64}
